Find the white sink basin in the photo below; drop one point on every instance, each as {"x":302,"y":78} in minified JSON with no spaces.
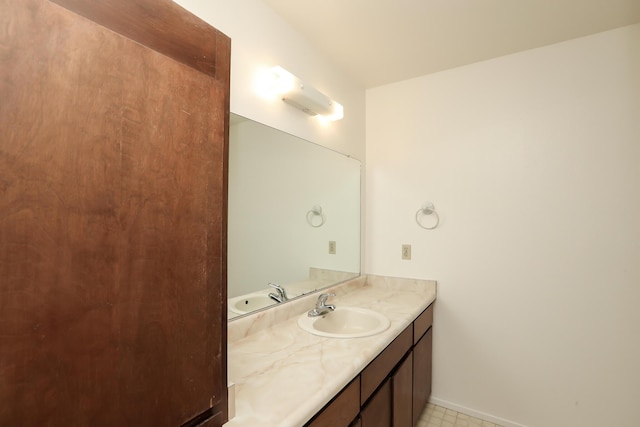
{"x":345,"y":322}
{"x":251,"y":302}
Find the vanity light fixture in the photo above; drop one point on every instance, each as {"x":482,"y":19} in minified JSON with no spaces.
{"x":304,"y":97}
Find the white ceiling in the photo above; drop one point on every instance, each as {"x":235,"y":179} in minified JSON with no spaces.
{"x":384,"y":41}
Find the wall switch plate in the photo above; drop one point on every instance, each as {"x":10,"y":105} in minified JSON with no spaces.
{"x":406,"y":251}
{"x":332,"y":247}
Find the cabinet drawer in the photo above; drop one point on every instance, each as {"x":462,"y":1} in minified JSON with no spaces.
{"x":373,"y":375}
{"x":342,"y":410}
{"x":422,"y":323}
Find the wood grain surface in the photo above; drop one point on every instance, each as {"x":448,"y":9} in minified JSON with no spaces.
{"x":113,"y":168}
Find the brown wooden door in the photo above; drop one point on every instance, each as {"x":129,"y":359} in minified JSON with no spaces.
{"x":377,"y":411}
{"x":113,"y":161}
{"x":422,"y":374}
{"x":402,"y":393}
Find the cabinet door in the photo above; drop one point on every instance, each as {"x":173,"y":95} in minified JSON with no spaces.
{"x":421,"y":374}
{"x":377,"y":412}
{"x":402,"y":386}
{"x":113,"y":157}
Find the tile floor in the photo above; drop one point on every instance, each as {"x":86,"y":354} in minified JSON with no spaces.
{"x":437,"y":416}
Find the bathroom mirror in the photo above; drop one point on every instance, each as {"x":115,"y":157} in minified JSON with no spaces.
{"x":294,"y":216}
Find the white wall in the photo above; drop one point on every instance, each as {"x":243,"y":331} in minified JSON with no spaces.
{"x":533,"y":162}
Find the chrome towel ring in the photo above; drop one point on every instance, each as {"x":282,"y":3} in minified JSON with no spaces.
{"x":316,"y":211}
{"x":428,"y":209}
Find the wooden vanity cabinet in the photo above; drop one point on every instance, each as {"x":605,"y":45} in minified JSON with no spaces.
{"x":378,"y":400}
{"x":342,"y":410}
{"x":378,"y":411}
{"x":393,"y":389}
{"x":380,"y":368}
{"x":422,"y":373}
{"x":402,"y":392}
{"x":422,"y":349}
{"x":406,"y":362}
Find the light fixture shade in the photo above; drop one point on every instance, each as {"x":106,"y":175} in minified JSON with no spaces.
{"x":308,"y":100}
{"x":305,"y":97}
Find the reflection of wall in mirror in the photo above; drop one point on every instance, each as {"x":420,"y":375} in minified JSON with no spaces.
{"x":274,"y":180}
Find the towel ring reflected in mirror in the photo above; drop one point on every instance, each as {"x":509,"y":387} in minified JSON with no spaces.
{"x":316,"y":211}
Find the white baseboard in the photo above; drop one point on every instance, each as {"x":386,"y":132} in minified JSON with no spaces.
{"x":473,"y":413}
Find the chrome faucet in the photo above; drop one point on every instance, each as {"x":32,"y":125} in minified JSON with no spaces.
{"x":281,"y":295}
{"x":322,"y":307}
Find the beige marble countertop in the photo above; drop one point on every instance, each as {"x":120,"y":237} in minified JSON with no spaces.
{"x":284,"y":375}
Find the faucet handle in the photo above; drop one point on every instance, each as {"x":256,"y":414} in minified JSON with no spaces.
{"x":322,"y":307}
{"x":281,"y":291}
{"x":322,"y":299}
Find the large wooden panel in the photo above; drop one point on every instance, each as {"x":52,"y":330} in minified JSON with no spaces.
{"x":112,"y":226}
{"x":161,"y":25}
